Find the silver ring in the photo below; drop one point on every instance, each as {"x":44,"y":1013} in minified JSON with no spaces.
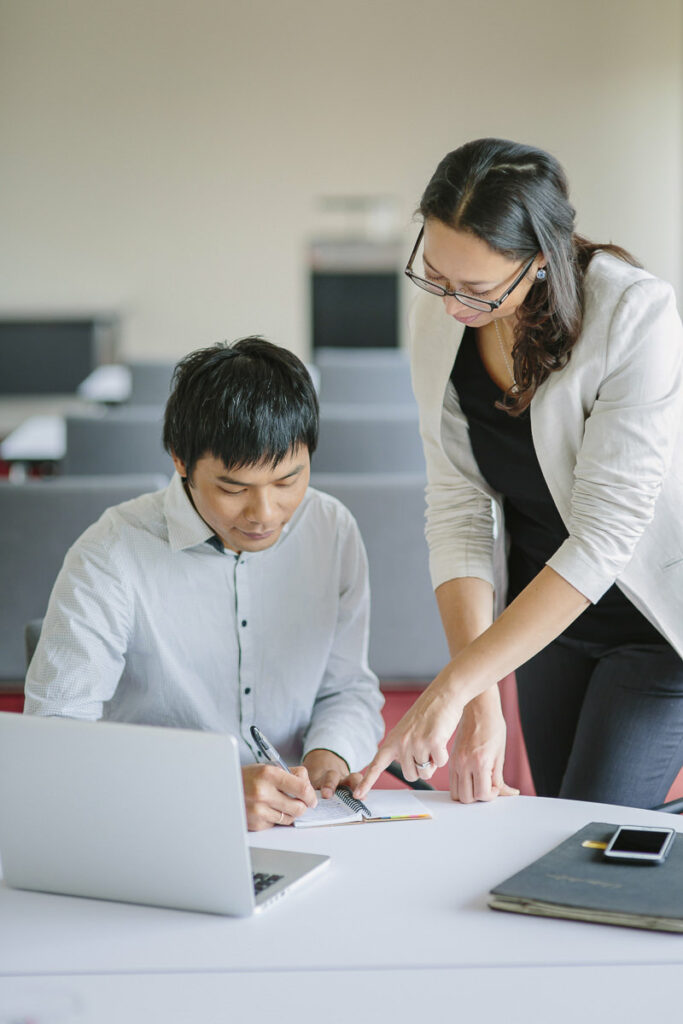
{"x":282,"y":817}
{"x":423,"y":764}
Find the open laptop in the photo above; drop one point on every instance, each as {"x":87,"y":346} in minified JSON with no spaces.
{"x":135,"y":813}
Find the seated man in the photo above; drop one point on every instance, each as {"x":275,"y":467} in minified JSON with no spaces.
{"x":237,"y":596}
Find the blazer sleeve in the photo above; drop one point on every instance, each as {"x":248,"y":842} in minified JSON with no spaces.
{"x":630,"y":437}
{"x":460,"y":526}
{"x":462,"y":523}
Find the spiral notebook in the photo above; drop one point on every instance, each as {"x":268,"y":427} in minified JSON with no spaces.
{"x":379,"y":805}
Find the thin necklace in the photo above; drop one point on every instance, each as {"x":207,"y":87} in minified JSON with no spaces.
{"x":505,"y":355}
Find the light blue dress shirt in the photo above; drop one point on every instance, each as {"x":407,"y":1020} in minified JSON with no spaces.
{"x":151,"y":621}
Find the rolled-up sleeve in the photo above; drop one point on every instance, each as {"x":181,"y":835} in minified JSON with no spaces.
{"x":629,"y":440}
{"x":346,"y":716}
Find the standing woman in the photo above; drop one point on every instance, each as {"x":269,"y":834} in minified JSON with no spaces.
{"x":549,"y":375}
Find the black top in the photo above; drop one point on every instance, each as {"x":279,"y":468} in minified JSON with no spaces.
{"x":504,"y":451}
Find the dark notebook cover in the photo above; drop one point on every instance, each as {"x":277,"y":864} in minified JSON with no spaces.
{"x":579,"y":883}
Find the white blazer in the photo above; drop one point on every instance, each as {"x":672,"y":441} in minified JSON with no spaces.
{"x":608,"y":433}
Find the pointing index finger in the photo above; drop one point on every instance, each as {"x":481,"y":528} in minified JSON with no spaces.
{"x":382,"y":759}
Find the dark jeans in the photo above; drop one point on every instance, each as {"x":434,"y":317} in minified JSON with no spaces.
{"x":603,"y":723}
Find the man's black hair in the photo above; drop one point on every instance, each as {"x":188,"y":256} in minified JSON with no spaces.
{"x":245,"y":403}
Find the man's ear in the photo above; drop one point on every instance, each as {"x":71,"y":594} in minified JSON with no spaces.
{"x":179,"y":465}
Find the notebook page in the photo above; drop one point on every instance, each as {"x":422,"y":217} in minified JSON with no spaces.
{"x":383,"y":805}
{"x":327,"y":812}
{"x":394,"y":805}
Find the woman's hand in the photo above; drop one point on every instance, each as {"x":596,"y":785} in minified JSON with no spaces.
{"x":421,"y":737}
{"x":476,"y":764}
{"x":538,"y":615}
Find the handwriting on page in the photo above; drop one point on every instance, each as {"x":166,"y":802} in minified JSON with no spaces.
{"x":326,"y":812}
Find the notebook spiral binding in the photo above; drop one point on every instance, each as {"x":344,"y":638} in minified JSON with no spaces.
{"x":347,"y":798}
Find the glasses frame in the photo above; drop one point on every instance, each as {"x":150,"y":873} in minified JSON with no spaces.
{"x":466,"y":300}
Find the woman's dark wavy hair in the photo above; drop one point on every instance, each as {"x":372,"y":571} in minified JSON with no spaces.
{"x":245,"y":403}
{"x":516,"y":199}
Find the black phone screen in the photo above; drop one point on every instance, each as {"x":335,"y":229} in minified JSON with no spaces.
{"x":632,"y":840}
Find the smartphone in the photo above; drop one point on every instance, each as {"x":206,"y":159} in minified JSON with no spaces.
{"x":641,"y":843}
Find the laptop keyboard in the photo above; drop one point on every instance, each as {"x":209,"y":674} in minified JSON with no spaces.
{"x":263,"y":881}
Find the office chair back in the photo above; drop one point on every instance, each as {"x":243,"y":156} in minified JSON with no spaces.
{"x":40,"y":520}
{"x":125,"y":440}
{"x":150,"y":382}
{"x":365,"y":376}
{"x":368,"y":439}
{"x":31,"y":638}
{"x":406,"y":638}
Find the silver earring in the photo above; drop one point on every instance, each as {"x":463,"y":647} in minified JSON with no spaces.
{"x":541,"y":274}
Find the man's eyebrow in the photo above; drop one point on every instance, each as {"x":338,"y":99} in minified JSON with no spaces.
{"x":469,"y":284}
{"x":240,"y":483}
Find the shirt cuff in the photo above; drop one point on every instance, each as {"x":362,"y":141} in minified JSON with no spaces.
{"x":357,"y":755}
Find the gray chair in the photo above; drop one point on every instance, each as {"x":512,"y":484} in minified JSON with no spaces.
{"x":327,"y":355}
{"x":406,"y":638}
{"x":364,"y":376}
{"x":150,"y":382}
{"x":671,"y":807}
{"x":31,"y":638}
{"x":40,"y":520}
{"x":125,"y":440}
{"x":369,"y":439}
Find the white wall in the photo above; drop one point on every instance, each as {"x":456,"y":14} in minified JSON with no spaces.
{"x":162,"y":157}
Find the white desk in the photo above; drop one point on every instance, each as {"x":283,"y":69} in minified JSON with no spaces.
{"x":34,"y":428}
{"x":37,"y":439}
{"x":633,"y":994}
{"x":110,"y":383}
{"x":401,"y":914}
{"x":16,"y":409}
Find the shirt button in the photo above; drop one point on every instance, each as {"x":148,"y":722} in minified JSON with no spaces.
{"x":244,"y":622}
{"x":247,"y":689}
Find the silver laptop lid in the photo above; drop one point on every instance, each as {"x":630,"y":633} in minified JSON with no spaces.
{"x":124,"y":812}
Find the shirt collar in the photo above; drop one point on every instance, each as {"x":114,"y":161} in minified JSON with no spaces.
{"x":186,"y":528}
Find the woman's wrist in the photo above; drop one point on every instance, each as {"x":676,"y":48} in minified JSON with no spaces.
{"x":485,"y":704}
{"x":461,"y":682}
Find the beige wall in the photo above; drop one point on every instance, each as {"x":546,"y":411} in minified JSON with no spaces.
{"x":162,"y":158}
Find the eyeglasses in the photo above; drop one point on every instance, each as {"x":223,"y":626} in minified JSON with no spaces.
{"x":467,"y":300}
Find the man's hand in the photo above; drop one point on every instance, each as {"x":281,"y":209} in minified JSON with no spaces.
{"x":327,"y":770}
{"x":273,"y":796}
